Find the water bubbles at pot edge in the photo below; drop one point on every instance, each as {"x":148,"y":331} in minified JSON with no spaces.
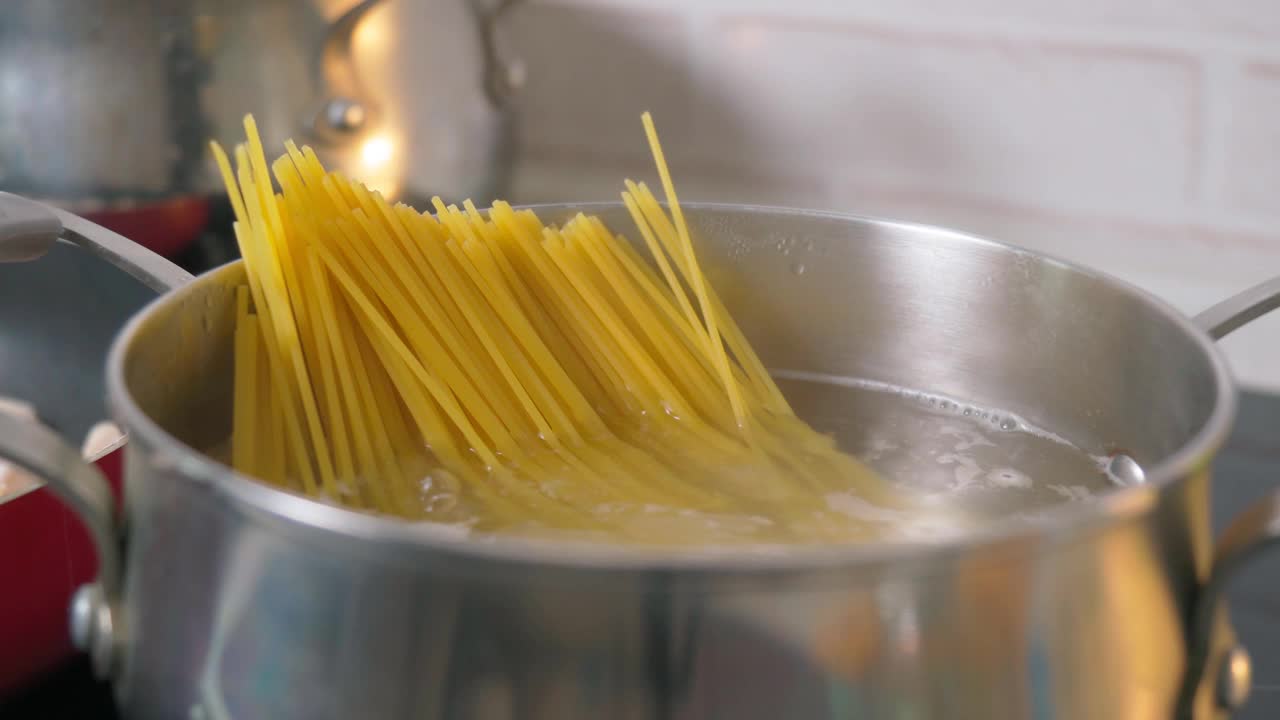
{"x":797,"y":268}
{"x":785,"y":245}
{"x":439,"y":492}
{"x":1123,"y":470}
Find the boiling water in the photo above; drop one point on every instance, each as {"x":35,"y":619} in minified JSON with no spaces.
{"x":972,"y":467}
{"x":983,"y":461}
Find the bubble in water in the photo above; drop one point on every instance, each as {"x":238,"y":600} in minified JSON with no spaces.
{"x":966,"y":470}
{"x":797,"y":268}
{"x":1124,"y":470}
{"x":1008,"y":424}
{"x":1072,"y":493}
{"x":1009,"y":478}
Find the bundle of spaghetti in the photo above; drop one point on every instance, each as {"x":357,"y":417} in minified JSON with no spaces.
{"x":490,"y":368}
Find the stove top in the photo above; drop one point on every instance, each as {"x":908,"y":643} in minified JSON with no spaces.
{"x":1246,"y":469}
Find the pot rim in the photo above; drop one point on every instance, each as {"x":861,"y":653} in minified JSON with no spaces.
{"x":1067,"y":519}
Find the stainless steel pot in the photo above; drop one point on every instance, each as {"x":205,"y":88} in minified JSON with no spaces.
{"x":116,"y":102}
{"x":222,"y":597}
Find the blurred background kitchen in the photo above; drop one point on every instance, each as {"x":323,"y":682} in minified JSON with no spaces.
{"x":1141,"y":138}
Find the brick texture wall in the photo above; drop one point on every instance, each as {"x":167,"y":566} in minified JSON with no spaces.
{"x":1139,"y":137}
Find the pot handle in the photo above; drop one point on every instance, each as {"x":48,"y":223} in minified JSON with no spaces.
{"x":1239,"y":309}
{"x":83,"y":487}
{"x":503,"y":76}
{"x":29,"y":229}
{"x":1251,"y":533}
{"x":347,"y":107}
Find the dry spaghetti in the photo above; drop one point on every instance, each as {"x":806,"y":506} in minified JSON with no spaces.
{"x":490,"y":369}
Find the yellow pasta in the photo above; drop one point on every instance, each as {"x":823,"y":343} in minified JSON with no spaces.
{"x":243,"y":424}
{"x":489,"y":369}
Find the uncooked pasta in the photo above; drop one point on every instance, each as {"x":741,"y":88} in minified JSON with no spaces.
{"x":491,"y":370}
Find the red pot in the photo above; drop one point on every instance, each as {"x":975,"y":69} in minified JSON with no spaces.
{"x":45,"y":554}
{"x":165,"y":227}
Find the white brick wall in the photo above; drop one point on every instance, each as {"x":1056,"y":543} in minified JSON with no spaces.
{"x":1141,"y":137}
{"x":1251,"y":156}
{"x":981,"y":115}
